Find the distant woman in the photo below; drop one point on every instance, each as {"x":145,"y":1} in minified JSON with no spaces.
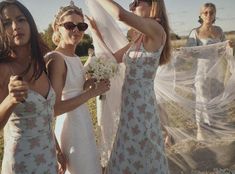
{"x":207,"y":33}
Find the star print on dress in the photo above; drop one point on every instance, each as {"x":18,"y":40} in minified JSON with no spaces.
{"x":139,"y":137}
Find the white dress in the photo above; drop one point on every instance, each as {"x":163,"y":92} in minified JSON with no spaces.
{"x":202,"y":96}
{"x":74,"y":129}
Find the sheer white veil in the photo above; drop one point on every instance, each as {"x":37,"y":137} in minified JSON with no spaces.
{"x":108,"y":108}
{"x":200,"y":142}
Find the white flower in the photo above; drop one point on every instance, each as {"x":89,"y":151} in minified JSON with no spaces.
{"x":102,"y":68}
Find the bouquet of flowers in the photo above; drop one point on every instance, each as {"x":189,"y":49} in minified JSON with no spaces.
{"x":101,"y":68}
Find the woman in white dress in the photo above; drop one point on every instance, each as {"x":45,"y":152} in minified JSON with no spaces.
{"x":73,"y":124}
{"x":206,"y":34}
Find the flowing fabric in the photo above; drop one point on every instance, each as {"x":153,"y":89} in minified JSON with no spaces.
{"x":108,"y":109}
{"x":176,"y":97}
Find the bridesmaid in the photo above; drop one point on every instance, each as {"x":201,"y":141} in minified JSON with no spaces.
{"x":73,"y":127}
{"x":26,"y":96}
{"x":139,"y":145}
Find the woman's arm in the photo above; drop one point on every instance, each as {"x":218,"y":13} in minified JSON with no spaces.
{"x":117,"y":55}
{"x":57,"y":71}
{"x":11,"y":95}
{"x":6,"y":108}
{"x":192,"y":38}
{"x":147,"y":26}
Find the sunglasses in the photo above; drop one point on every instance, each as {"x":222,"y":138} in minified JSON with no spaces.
{"x":81,"y":26}
{"x":136,"y":3}
{"x":206,"y":13}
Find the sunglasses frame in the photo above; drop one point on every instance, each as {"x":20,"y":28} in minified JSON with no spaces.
{"x":70,"y":26}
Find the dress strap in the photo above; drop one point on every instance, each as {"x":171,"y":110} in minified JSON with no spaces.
{"x":138,"y":44}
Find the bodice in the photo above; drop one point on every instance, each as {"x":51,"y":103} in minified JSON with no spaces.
{"x":141,"y":64}
{"x":33,"y":117}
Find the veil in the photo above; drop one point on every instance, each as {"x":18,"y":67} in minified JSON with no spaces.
{"x":196,"y":98}
{"x":108,"y":107}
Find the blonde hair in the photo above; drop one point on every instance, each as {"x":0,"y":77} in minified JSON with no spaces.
{"x":206,"y":5}
{"x":158,"y":11}
{"x":64,"y":11}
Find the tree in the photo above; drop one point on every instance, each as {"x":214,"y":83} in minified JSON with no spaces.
{"x":47,"y":37}
{"x":82,"y":48}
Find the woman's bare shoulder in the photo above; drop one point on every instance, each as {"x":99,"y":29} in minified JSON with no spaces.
{"x":218,"y":29}
{"x":54,"y":59}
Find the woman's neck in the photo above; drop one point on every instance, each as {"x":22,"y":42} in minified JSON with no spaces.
{"x":21,"y":55}
{"x":68,"y":50}
{"x":207,"y":27}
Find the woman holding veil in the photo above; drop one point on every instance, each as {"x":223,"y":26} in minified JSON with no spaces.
{"x":206,"y":34}
{"x":139,"y":146}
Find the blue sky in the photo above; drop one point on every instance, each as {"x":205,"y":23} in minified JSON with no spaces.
{"x":183,"y":14}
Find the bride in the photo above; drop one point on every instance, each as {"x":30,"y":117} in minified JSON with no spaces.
{"x":73,"y":127}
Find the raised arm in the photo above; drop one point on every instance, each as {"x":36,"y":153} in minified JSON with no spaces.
{"x":119,"y":54}
{"x":147,"y":26}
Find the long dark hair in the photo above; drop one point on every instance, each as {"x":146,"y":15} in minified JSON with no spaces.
{"x":38,"y":47}
{"x":4,"y":44}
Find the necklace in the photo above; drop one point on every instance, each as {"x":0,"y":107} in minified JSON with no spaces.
{"x":25,"y":68}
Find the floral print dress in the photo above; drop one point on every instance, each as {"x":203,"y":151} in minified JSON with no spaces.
{"x":29,"y":145}
{"x":139,"y":147}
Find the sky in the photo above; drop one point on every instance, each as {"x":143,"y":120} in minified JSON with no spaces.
{"x":182,"y":14}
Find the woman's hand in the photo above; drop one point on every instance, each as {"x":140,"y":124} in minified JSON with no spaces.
{"x":92,"y":23}
{"x":231,"y":44}
{"x":101,"y":87}
{"x":89,"y":83}
{"x":94,"y":27}
{"x":61,"y":162}
{"x":61,"y":159}
{"x":18,"y":89}
{"x":168,"y":141}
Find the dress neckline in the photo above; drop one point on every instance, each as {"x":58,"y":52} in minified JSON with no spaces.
{"x":64,"y":55}
{"x":40,"y":95}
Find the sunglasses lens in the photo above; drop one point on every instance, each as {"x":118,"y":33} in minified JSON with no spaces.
{"x":82,"y":26}
{"x":69,"y":26}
